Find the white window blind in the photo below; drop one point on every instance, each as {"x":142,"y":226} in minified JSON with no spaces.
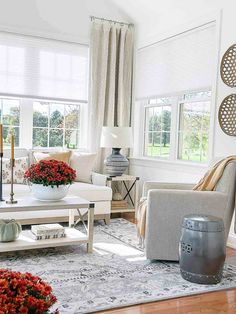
{"x":184,"y":62}
{"x":42,"y":67}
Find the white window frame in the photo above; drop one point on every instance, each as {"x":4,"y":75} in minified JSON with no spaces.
{"x":149,"y":105}
{"x":49,"y":128}
{"x":180,"y":102}
{"x":26,"y":120}
{"x":177,"y":100}
{"x":13,"y":126}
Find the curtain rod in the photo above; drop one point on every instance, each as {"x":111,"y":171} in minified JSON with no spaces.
{"x":112,"y":21}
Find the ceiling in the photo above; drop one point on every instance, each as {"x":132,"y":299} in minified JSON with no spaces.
{"x":153,"y":17}
{"x":140,"y":11}
{"x":70,"y":18}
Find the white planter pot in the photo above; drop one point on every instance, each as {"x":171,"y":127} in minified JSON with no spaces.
{"x":48,"y":193}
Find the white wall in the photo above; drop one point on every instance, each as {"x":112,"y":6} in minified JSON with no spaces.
{"x":63,"y":19}
{"x":224,"y":144}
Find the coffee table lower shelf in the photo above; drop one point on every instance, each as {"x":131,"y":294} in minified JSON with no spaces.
{"x":26,"y":242}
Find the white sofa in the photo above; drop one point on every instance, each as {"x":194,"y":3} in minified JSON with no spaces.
{"x":96,"y":192}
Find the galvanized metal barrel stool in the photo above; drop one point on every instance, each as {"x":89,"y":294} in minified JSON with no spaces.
{"x":202,"y":249}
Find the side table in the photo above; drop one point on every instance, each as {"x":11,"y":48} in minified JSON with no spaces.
{"x":131,"y":191}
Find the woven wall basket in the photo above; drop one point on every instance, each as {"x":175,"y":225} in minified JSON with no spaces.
{"x":228,"y":67}
{"x":227,"y":115}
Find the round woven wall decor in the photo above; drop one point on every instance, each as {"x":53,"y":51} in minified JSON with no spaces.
{"x":227,"y":115}
{"x":228,"y":67}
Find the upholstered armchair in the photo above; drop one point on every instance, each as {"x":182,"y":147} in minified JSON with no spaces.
{"x":168,"y":203}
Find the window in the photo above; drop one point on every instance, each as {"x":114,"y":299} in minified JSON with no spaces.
{"x":56,"y":124}
{"x":191,"y":122}
{"x":10,"y":118}
{"x":157,"y":128}
{"x":194,"y":127}
{"x":47,"y":81}
{"x":173,"y":82}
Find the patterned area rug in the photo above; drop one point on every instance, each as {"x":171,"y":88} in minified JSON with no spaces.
{"x":116,"y":274}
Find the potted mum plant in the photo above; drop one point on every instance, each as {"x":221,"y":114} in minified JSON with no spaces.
{"x":24,"y":293}
{"x":50,"y":179}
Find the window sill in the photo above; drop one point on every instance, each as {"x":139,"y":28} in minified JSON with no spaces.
{"x":176,"y":162}
{"x":177,"y":165}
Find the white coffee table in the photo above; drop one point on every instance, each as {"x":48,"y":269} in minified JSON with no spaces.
{"x":73,"y":236}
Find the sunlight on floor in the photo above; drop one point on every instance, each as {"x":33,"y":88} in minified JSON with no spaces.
{"x":118,"y":249}
{"x":136,"y":259}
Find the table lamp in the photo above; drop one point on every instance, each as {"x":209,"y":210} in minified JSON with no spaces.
{"x":116,"y":138}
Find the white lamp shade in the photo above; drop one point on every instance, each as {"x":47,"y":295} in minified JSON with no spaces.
{"x":116,"y":137}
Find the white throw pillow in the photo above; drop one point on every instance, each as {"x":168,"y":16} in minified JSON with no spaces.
{"x":83,"y":165}
{"x":21,"y":165}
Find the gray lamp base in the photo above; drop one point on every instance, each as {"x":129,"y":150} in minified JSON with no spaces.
{"x":116,"y":164}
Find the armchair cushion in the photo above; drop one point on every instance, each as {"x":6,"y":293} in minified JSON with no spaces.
{"x":91,"y":192}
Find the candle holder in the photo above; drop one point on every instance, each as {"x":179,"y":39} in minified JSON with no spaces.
{"x":11,"y":200}
{"x":1,"y":156}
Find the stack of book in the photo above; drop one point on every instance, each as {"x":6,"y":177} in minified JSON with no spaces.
{"x":48,"y":231}
{"x":119,"y":204}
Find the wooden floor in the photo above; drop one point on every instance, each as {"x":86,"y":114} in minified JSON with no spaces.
{"x":208,"y":303}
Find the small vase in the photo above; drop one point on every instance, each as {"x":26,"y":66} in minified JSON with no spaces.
{"x":49,"y":193}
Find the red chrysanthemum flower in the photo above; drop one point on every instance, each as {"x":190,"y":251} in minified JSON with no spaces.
{"x":24,"y":293}
{"x":50,"y":172}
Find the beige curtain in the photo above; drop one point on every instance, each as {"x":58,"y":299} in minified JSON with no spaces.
{"x":110,"y":90}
